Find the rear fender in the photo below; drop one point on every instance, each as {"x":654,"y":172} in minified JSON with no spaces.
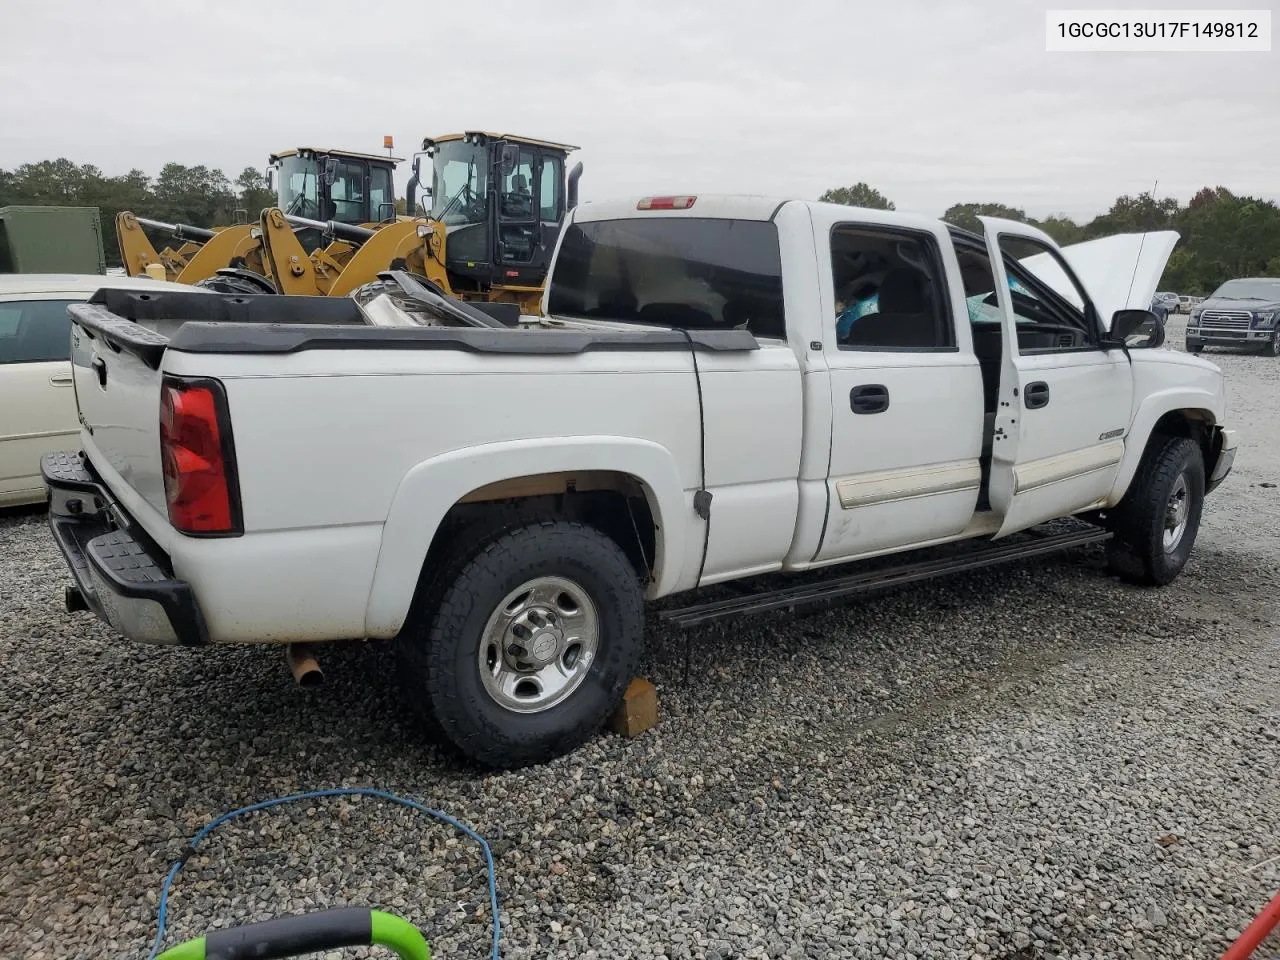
{"x":431,"y":488}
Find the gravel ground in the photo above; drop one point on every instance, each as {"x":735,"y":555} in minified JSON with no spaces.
{"x":1030,"y":762}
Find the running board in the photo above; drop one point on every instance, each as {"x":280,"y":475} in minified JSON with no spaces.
{"x":847,"y":586}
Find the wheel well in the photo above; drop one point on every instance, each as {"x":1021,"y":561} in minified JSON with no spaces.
{"x":616,"y":504}
{"x":1195,"y":425}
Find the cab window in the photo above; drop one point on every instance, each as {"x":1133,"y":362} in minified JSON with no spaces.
{"x":347,"y":192}
{"x":890,"y":290}
{"x":1049,"y":306}
{"x":381,"y":194}
{"x":549,"y":189}
{"x":517,"y":188}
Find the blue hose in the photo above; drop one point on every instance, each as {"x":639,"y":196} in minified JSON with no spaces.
{"x":163,"y":912}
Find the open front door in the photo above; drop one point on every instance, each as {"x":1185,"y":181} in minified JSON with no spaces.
{"x":1064,"y":401}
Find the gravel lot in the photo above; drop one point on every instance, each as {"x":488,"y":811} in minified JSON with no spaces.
{"x":1031,"y":762}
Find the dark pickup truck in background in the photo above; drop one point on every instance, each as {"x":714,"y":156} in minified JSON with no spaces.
{"x":1240,"y":313}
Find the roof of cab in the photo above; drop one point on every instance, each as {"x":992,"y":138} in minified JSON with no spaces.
{"x":333,"y":151}
{"x":740,"y":207}
{"x":87,"y":283}
{"x":716,"y":206}
{"x":513,"y":137}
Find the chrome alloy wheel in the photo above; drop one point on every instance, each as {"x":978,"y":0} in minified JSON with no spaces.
{"x":539,"y":644}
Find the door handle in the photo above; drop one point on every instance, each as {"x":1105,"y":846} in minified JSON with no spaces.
{"x":1036,"y":395}
{"x":61,"y":379}
{"x":869,"y":398}
{"x":100,"y":368}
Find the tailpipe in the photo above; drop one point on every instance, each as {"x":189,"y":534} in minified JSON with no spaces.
{"x":303,"y":665}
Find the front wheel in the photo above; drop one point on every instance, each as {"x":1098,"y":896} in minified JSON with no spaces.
{"x":1272,"y":349}
{"x":1155,"y":525}
{"x":531,"y":645}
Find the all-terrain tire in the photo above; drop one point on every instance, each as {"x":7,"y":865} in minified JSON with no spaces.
{"x":440,"y":648}
{"x":1171,"y":471}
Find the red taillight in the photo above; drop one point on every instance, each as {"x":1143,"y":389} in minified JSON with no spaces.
{"x":195,"y":448}
{"x":666,"y":203}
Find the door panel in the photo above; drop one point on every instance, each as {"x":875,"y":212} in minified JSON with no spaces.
{"x":910,"y":472}
{"x":37,"y":398}
{"x":1062,"y":413}
{"x":905,"y":387}
{"x":37,"y":416}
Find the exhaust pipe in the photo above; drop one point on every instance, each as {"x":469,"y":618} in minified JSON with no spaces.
{"x":572,"y":191}
{"x":303,"y":665}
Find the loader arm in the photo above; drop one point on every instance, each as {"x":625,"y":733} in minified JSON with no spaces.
{"x":136,"y":250}
{"x":392,"y":242}
{"x":229,"y":247}
{"x":284,"y":256}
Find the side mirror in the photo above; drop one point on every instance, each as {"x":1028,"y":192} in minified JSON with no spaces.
{"x":271,"y":179}
{"x":510,"y":157}
{"x":1137,"y":328}
{"x":330,"y":173}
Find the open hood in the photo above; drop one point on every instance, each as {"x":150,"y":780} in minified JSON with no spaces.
{"x":1120,"y":272}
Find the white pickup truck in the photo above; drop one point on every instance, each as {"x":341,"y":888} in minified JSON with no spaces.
{"x":720,"y":388}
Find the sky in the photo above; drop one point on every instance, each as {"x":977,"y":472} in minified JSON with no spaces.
{"x":933,"y":102}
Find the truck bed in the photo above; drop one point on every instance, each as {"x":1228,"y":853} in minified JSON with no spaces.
{"x":333,"y":419}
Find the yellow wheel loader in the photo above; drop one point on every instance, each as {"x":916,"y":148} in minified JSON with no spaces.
{"x":309,"y":182}
{"x":497,"y":204}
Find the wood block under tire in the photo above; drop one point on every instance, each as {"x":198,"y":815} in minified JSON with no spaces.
{"x":638,"y":711}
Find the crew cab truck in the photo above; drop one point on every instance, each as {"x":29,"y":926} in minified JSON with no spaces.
{"x":699,"y":404}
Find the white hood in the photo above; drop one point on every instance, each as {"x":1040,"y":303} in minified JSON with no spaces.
{"x":1106,"y":267}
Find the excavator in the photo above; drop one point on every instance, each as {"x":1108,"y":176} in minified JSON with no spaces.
{"x":496,"y":206}
{"x":198,"y":253}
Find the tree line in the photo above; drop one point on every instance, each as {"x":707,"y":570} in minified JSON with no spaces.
{"x":1221,"y":235}
{"x":198,"y":195}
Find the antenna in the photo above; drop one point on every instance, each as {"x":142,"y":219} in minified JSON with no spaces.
{"x":1141,"y":244}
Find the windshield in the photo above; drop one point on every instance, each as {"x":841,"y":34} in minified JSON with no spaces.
{"x":459,"y":183}
{"x":299,"y":186}
{"x":1249,"y":290}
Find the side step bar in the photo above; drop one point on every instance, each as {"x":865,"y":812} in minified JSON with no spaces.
{"x":847,"y":586}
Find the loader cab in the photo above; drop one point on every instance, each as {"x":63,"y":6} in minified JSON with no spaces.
{"x":327,"y":184}
{"x":502,"y":200}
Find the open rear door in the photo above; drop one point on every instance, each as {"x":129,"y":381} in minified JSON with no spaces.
{"x":1064,"y":401}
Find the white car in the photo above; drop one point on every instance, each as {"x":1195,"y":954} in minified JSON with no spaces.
{"x":37,"y":401}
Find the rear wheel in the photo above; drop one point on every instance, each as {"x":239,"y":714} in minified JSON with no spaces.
{"x":531,"y":643}
{"x":1156,"y":523}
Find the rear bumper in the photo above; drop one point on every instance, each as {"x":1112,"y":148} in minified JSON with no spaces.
{"x":1225,"y":444}
{"x":121,"y":574}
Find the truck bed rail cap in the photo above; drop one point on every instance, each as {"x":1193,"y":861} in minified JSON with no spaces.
{"x":235,"y":338}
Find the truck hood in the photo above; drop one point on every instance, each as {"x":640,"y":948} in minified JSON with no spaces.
{"x":1120,"y":272}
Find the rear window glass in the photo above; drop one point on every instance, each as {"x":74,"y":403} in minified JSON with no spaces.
{"x":672,"y":271}
{"x":34,"y":330}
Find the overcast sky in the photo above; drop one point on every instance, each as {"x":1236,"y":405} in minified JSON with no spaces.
{"x":933,"y":102}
